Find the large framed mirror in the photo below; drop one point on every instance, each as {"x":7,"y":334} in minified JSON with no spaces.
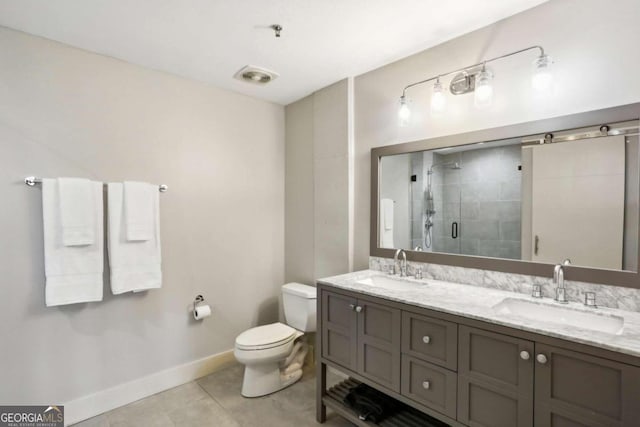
{"x":517,"y":199}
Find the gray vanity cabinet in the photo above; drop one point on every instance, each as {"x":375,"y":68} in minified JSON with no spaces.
{"x":578,"y":390}
{"x":471,"y":373}
{"x":495,"y":379}
{"x":363,"y":336}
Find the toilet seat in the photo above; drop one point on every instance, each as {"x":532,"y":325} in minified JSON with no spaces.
{"x":266,"y":337}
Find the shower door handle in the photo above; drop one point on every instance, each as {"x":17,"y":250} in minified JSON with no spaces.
{"x":454,"y":230}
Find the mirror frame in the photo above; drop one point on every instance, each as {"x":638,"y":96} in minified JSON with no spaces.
{"x":622,"y":113}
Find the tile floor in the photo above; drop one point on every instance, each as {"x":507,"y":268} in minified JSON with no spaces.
{"x":215,"y":400}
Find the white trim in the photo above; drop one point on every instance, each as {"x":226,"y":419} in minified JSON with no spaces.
{"x":97,"y":403}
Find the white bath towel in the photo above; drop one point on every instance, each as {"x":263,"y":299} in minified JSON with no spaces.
{"x":386,"y":223}
{"x":77,"y":211}
{"x":387,"y":213}
{"x":135,"y":265}
{"x":73,"y":273}
{"x":139,"y":210}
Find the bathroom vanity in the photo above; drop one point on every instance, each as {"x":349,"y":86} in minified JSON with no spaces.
{"x":493,"y":215}
{"x":473,"y":356}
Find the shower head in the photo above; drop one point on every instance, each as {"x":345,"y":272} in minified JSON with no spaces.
{"x":448,"y":165}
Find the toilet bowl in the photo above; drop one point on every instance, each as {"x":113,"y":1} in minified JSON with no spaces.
{"x":273,"y":354}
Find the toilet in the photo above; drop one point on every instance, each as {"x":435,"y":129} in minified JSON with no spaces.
{"x":273,"y":354}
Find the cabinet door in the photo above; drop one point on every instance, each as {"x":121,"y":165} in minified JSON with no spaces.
{"x":578,"y":390}
{"x":495,"y":379}
{"x":379,"y":344}
{"x":339,"y":331}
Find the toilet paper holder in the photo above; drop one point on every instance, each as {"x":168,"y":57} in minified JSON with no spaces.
{"x":199,"y":300}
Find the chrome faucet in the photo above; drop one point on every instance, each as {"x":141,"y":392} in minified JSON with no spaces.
{"x":558,"y":280}
{"x":403,"y":264}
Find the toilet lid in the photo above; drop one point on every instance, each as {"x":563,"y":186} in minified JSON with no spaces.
{"x":266,"y":336}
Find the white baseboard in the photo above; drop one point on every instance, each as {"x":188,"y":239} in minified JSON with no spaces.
{"x":95,"y":404}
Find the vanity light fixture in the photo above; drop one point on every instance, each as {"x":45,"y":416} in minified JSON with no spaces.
{"x":404,"y":112}
{"x":542,"y":78}
{"x":484,"y":91}
{"x":438,"y":99}
{"x":477,"y":78}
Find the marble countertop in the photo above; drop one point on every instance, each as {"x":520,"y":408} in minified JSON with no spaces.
{"x":478,"y":303}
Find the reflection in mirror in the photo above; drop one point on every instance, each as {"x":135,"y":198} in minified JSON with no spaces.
{"x":574,"y":198}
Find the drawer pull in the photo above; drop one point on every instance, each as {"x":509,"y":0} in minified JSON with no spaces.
{"x":426,"y":339}
{"x":426,"y":385}
{"x":524,"y":355}
{"x":541,"y":358}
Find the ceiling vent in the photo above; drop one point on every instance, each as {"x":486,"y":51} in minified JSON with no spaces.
{"x":256,"y":75}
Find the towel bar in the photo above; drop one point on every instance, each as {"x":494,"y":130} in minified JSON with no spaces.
{"x":32,"y":181}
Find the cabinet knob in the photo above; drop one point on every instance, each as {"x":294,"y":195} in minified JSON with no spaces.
{"x":426,"y":339}
{"x":358,"y":309}
{"x":524,"y":355}
{"x":352,"y":307}
{"x":541,"y":358}
{"x":426,"y":385}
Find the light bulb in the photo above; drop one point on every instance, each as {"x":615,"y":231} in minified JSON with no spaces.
{"x":484,"y":89}
{"x":438,"y":99}
{"x":542,"y":78}
{"x":404,"y":112}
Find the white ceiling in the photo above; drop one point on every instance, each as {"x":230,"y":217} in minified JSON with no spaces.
{"x":323,"y":41}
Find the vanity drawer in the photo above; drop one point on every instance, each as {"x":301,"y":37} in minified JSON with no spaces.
{"x":429,"y":385}
{"x":430,"y":339}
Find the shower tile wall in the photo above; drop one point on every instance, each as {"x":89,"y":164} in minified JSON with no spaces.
{"x":484,"y":198}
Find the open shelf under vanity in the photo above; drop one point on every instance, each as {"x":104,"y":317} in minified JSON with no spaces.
{"x":405,"y":417}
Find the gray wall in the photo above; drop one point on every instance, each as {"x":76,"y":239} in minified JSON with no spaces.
{"x":66,"y":112}
{"x":318,"y":230}
{"x":585,"y":61}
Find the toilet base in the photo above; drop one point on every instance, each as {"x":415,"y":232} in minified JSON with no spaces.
{"x":263,"y":379}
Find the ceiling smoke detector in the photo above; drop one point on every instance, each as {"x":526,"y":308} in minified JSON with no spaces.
{"x":256,"y":75}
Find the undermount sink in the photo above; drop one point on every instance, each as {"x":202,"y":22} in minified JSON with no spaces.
{"x":387,"y":283}
{"x":559,"y":315}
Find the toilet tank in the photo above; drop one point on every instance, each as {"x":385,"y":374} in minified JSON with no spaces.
{"x":299,"y":303}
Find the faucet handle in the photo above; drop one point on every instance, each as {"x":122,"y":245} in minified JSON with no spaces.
{"x":418,"y":272}
{"x":537,"y":291}
{"x":392,"y":269}
{"x":590,"y":299}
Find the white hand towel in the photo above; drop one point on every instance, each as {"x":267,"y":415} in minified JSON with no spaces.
{"x":77,"y":211}
{"x":73,"y":273}
{"x":387,"y":208}
{"x":135,"y":265}
{"x":138,"y":210}
{"x":386,"y":223}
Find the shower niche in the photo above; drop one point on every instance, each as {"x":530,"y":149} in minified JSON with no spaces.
{"x":523,"y":199}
